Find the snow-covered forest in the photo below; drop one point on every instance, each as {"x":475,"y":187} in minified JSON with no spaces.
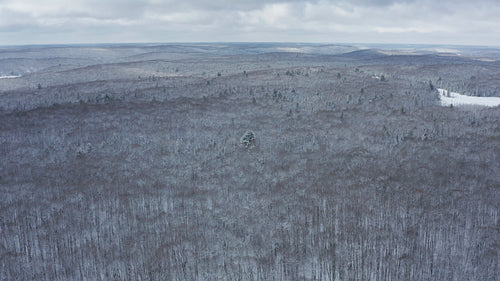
{"x":247,"y":162}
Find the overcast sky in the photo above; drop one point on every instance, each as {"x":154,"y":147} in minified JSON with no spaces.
{"x":475,"y":22}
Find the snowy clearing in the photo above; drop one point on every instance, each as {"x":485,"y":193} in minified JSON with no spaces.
{"x":450,"y":98}
{"x":10,"y":76}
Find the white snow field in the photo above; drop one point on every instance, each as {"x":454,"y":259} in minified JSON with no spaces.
{"x":9,"y":76}
{"x":450,"y":98}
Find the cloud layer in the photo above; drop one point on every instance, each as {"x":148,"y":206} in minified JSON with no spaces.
{"x":378,"y":21}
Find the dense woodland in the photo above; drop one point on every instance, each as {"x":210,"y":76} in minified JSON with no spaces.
{"x":127,"y":163}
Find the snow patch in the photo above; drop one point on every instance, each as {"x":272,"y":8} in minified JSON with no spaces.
{"x":450,"y":98}
{"x":444,"y":50}
{"x":10,"y":76}
{"x":289,"y":49}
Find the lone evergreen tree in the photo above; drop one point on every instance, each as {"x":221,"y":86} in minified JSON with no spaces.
{"x":248,"y":138}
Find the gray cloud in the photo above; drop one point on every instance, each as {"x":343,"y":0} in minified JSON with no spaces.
{"x":384,"y":21}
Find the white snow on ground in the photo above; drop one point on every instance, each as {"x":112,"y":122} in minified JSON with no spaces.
{"x":447,"y":98}
{"x":289,"y":50}
{"x":10,"y":76}
{"x":443,"y":50}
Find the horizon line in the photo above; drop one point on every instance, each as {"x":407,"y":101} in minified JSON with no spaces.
{"x":245,"y":42}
